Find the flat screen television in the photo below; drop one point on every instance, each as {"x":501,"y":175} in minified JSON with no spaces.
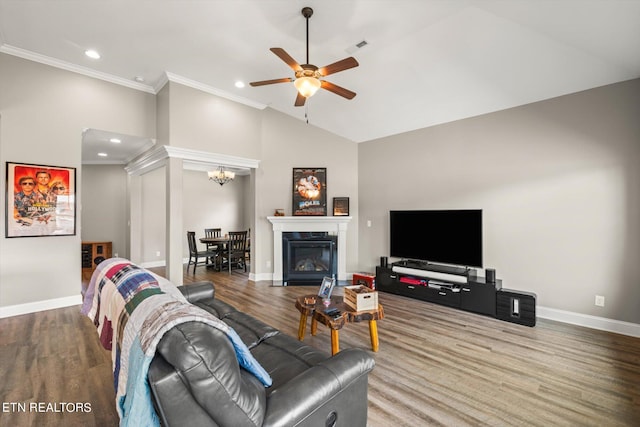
{"x":438,"y":236}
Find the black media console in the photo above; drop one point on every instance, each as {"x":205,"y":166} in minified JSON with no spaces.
{"x":452,"y":286}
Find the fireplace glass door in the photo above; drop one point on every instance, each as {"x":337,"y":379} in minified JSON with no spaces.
{"x":307,"y":258}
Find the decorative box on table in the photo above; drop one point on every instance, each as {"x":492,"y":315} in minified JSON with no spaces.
{"x":366,"y":279}
{"x":360,"y":298}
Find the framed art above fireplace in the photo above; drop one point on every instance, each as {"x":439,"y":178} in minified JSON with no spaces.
{"x":309,"y":192}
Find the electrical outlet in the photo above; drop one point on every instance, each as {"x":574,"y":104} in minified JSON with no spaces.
{"x":599,"y":300}
{"x":369,"y":223}
{"x":268,"y":264}
{"x":115,"y":255}
{"x":157,"y":253}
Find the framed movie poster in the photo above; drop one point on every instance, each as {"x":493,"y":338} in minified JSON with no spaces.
{"x":340,"y":206}
{"x":40,"y":200}
{"x":309,"y":191}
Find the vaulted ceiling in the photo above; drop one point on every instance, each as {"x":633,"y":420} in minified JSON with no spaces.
{"x":424,"y":62}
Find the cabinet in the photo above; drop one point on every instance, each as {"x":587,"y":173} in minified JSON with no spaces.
{"x":470,"y":293}
{"x":93,"y":253}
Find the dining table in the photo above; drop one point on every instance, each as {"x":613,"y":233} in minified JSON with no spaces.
{"x":222,"y":241}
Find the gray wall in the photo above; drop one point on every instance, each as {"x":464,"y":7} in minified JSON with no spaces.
{"x":206,"y":205}
{"x":206,"y":122}
{"x":559,"y":184}
{"x":289,"y":143}
{"x":44,"y":111}
{"x":104,"y":212}
{"x":209,"y":205}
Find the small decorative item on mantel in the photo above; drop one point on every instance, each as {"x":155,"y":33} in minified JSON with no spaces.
{"x":340,"y":206}
{"x":279,"y":212}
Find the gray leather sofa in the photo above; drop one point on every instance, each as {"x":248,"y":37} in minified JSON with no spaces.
{"x":196,"y":380}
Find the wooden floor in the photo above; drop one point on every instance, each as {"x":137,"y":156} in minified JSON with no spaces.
{"x":436,"y":366}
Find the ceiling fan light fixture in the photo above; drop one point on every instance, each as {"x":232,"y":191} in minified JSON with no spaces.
{"x":309,"y":78}
{"x":307,"y":86}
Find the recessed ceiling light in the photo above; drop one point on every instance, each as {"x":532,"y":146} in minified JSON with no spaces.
{"x":92,"y":54}
{"x":115,"y":140}
{"x":239,"y":84}
{"x":102,"y":154}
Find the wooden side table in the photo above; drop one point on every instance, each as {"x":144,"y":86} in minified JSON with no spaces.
{"x":311,"y":305}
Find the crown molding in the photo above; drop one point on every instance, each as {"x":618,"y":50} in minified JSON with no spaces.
{"x":164,"y":79}
{"x":47,"y":60}
{"x":193,"y":159}
{"x":206,"y":158}
{"x":152,"y":159}
{"x":170,"y":77}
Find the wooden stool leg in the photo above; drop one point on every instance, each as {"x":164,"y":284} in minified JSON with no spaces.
{"x":314,"y":326}
{"x":302,"y":326}
{"x":335,"y":341}
{"x":373,"y":331}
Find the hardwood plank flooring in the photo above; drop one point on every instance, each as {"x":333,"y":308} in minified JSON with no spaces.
{"x":436,"y":366}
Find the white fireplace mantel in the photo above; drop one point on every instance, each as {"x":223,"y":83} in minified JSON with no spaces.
{"x":334,"y":225}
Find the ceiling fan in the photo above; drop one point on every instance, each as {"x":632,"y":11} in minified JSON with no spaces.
{"x":308,"y":77}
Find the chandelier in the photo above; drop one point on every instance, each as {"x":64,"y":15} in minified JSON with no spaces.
{"x":221,"y":176}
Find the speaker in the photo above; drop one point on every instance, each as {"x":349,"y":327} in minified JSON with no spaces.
{"x":384,"y":262}
{"x":490,"y":275}
{"x":385,"y":277}
{"x":516,"y":307}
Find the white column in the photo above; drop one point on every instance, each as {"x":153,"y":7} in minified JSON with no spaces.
{"x":174,"y":235}
{"x":342,"y":251}
{"x":277,"y":252}
{"x":134,"y":252}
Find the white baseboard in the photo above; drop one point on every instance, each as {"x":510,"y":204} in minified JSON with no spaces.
{"x":586,"y":320}
{"x":261,"y":277}
{"x":152,"y":264}
{"x":32,"y":307}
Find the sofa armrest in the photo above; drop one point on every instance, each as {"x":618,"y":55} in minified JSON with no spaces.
{"x":293,"y":402}
{"x":198,"y":291}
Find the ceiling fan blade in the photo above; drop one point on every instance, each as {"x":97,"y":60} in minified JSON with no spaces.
{"x":345,"y":93}
{"x":300,"y":100}
{"x":270,"y":82}
{"x":341,"y":65}
{"x":280,"y":53}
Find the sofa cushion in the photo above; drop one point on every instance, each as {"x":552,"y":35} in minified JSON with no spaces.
{"x":205,"y":358}
{"x":218,"y":308}
{"x":251,"y":330}
{"x":284,"y":357}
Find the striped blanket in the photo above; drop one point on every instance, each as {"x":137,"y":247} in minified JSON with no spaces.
{"x":132,"y":308}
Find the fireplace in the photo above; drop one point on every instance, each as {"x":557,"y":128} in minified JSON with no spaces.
{"x":333,"y":225}
{"x":308,"y":257}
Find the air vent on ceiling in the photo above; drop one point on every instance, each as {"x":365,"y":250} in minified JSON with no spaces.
{"x":357,"y":47}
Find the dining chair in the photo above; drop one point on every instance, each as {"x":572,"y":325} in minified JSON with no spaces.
{"x":235,"y":253}
{"x":214,"y":232}
{"x":194,"y":253}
